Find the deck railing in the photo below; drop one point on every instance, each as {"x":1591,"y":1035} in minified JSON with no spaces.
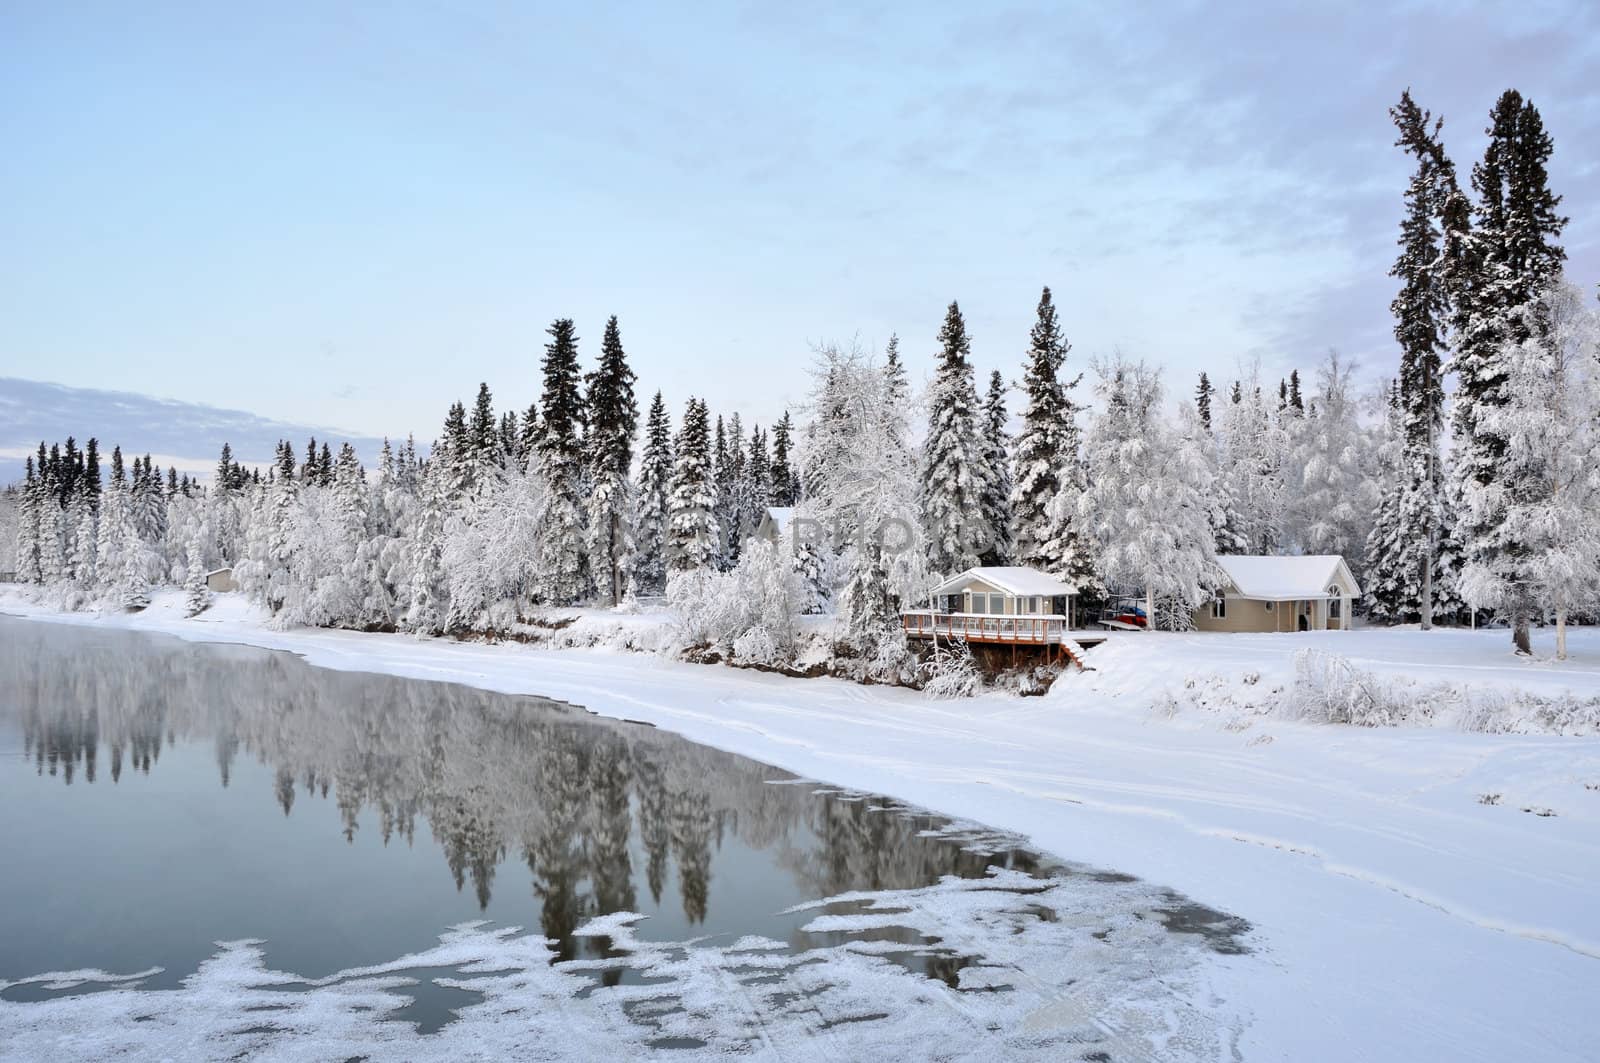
{"x":1032,"y":629}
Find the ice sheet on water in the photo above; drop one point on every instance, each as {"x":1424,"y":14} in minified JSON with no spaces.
{"x":1053,"y":968}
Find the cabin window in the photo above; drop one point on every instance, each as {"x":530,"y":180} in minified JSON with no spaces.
{"x":997,"y":603}
{"x":1219,"y":608}
{"x":977,"y":603}
{"x":1268,"y":606}
{"x":1335,"y":602}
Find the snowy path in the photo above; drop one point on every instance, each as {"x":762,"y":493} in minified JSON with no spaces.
{"x":1398,"y":917}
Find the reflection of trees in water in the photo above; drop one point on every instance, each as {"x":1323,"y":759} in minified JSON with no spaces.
{"x":492,"y":774}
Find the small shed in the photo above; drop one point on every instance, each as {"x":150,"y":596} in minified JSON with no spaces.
{"x":221,"y":579}
{"x":1309,"y":592}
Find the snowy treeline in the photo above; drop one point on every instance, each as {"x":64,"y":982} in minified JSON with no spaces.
{"x":1119,"y":490}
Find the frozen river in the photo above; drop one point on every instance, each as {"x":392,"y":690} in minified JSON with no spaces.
{"x":216,"y":851}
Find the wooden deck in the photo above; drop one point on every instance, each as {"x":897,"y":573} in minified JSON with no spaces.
{"x":1049,"y":633}
{"x":982,"y":627}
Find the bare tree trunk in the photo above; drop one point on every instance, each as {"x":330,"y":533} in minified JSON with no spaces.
{"x":1561,"y":631}
{"x":1519,"y":632}
{"x":1149,"y":609}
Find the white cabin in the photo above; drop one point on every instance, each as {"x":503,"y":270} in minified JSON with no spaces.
{"x":1003,"y":590}
{"x":1310,"y":592}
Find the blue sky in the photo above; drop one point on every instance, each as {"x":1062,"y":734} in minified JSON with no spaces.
{"x":349,"y":215}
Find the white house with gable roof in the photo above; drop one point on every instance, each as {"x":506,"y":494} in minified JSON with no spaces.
{"x":1311,"y":592}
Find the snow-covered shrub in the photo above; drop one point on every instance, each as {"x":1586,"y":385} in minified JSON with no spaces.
{"x":197,"y":597}
{"x":749,"y":611}
{"x":1328,"y":688}
{"x":951,"y":673}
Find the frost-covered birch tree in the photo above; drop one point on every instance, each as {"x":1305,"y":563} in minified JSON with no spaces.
{"x":1333,"y":492}
{"x":1147,"y":499}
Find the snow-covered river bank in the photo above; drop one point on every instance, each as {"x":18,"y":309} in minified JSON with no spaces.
{"x":1406,"y":905}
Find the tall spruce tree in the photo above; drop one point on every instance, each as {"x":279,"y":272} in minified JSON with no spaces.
{"x":952,"y":470}
{"x":1498,"y":274}
{"x":613,"y":419}
{"x":785,"y":484}
{"x":1039,"y":458}
{"x":1419,"y":310}
{"x":691,"y":503}
{"x":655,"y":478}
{"x":995,"y":497}
{"x":560,"y":456}
{"x":1202,"y":400}
{"x":483,"y":437}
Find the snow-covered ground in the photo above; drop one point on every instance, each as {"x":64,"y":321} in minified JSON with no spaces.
{"x":1418,"y":892}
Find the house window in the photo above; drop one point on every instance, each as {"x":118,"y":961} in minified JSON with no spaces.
{"x":997,"y":603}
{"x":1219,"y":608}
{"x":977,"y":603}
{"x":1335,"y":603}
{"x":1268,"y":606}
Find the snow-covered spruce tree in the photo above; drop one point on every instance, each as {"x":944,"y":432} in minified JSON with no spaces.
{"x":727,"y":461}
{"x":564,"y":568}
{"x":785,"y":484}
{"x":994,"y":498}
{"x":1147,"y":502}
{"x":1549,"y":482}
{"x":1387,"y":569}
{"x":52,"y":554}
{"x":897,"y":391}
{"x":1039,"y":453}
{"x":1496,"y":275}
{"x":1333,"y":494}
{"x":427,"y":604}
{"x":368,"y":602}
{"x":394,"y":508}
{"x":755,"y":486}
{"x":613,"y":420}
{"x":691,"y":519}
{"x":28,"y":525}
{"x":872,"y":624}
{"x":952,"y":476}
{"x":484,"y":452}
{"x":649,"y":573}
{"x":1413,"y":529}
{"x":10,"y":526}
{"x":81,"y":561}
{"x":108,"y":531}
{"x":1203,"y":393}
{"x":197,"y":598}
{"x":528,"y":435}
{"x":132,"y":588}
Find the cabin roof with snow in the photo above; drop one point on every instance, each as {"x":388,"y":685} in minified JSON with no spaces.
{"x":1283,"y":579}
{"x":1018,"y":580}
